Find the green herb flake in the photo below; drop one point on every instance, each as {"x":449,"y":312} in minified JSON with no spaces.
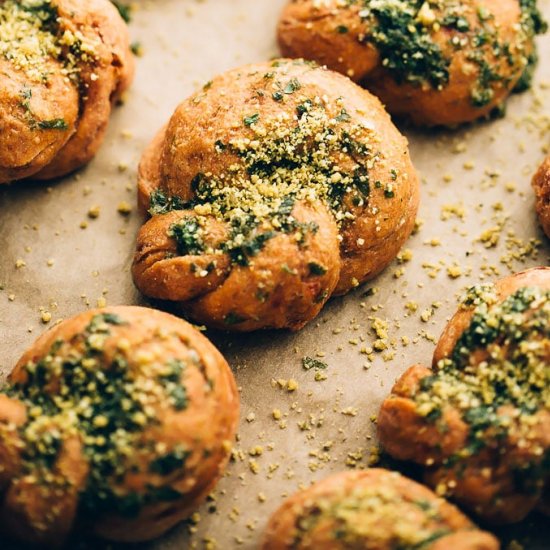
{"x":251,"y":120}
{"x":170,"y":462}
{"x":309,"y":363}
{"x":54,"y":124}
{"x":344,"y":116}
{"x":188,"y":235}
{"x":233,"y":318}
{"x":124,"y":9}
{"x":316,"y":269}
{"x":136,"y":48}
{"x":405,"y":44}
{"x":160,"y":203}
{"x":292,"y":86}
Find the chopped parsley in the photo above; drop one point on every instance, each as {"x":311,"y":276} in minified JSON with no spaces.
{"x":160,"y":203}
{"x":170,"y":462}
{"x":344,"y":116}
{"x":252,"y":119}
{"x":233,"y":318}
{"x":309,"y":363}
{"x":124,"y":9}
{"x":405,"y":44}
{"x":292,"y":86}
{"x":188,"y":235}
{"x":54,"y":124}
{"x":316,"y":269}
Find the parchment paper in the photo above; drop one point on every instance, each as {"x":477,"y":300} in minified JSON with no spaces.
{"x":477,"y":209}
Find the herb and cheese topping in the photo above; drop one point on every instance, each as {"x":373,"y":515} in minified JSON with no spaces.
{"x":31,"y":35}
{"x":106,"y":398}
{"x":498,"y":375}
{"x":417,"y":40}
{"x":28,"y":35}
{"x":317,"y":154}
{"x":380,"y":514}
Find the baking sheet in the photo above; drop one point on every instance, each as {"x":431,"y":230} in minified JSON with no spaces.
{"x":478,"y":222}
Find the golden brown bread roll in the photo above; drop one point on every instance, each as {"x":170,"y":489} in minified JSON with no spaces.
{"x":373,"y":510}
{"x":541,"y":186}
{"x":435,"y":63}
{"x":116,"y":422}
{"x":64,"y":63}
{"x":479,"y":420}
{"x":273,"y":188}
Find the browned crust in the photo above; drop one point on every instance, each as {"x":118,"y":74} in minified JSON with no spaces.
{"x":541,"y":186}
{"x":23,"y":150}
{"x":149,"y":178}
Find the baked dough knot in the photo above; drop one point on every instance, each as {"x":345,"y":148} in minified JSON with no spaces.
{"x":64,"y":64}
{"x":478,"y":422}
{"x":373,"y":509}
{"x":118,"y":423}
{"x":435,"y":63}
{"x":273,"y":188}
